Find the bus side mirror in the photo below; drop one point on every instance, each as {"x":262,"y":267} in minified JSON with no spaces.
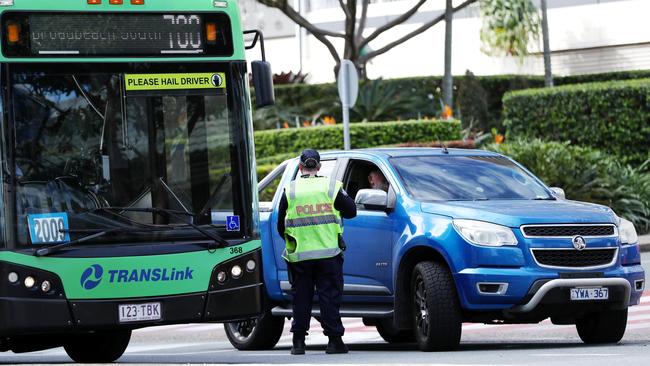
{"x":263,"y":83}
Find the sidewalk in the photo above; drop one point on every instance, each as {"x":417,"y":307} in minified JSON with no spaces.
{"x":644,"y":242}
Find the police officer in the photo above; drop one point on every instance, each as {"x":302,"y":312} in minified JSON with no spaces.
{"x":309,"y":220}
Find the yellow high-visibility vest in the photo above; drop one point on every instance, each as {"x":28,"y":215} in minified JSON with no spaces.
{"x":312,"y":224}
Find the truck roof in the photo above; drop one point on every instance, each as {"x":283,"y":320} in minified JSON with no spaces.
{"x":410,"y":151}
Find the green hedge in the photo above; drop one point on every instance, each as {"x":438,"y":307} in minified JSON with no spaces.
{"x":425,"y":92}
{"x":586,"y":174}
{"x":605,"y":76}
{"x":362,"y":135}
{"x":613,"y":116}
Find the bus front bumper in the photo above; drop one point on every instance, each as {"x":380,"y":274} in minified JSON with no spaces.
{"x":22,"y":316}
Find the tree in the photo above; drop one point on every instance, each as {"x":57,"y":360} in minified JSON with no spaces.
{"x":516,"y":17}
{"x":356,"y":44}
{"x":447,"y":80}
{"x":548,"y":74}
{"x":508,"y":26}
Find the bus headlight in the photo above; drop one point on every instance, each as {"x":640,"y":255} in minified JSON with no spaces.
{"x":627,"y":232}
{"x":485,"y":233}
{"x":12,"y":277}
{"x":46,"y":286}
{"x":236,"y":271}
{"x":29,"y":282}
{"x":221,"y":277}
{"x":251,"y":265}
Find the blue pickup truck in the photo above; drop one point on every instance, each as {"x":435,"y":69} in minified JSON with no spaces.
{"x":460,"y":236}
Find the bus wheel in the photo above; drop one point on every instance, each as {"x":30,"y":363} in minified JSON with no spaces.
{"x":98,"y":347}
{"x":256,"y":333}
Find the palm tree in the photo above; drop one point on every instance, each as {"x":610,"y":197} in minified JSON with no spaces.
{"x":447,"y":80}
{"x":548,"y":75}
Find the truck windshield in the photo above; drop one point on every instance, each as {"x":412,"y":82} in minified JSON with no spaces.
{"x":467,"y":178}
{"x":83,"y":141}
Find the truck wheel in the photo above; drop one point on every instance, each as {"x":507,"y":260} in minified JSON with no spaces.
{"x":98,"y":347}
{"x":256,"y":333}
{"x":390,"y":334}
{"x":602,"y":327}
{"x":437,"y":316}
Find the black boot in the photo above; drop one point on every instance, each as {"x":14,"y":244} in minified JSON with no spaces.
{"x":336,"y":345}
{"x":298,"y":347}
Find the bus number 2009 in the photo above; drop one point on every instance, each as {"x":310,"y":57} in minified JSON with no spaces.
{"x":49,"y":230}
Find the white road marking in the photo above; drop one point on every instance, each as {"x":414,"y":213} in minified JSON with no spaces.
{"x":202,"y":328}
{"x":576,"y":354}
{"x":637,"y":308}
{"x":163,"y":346}
{"x":163,"y":328}
{"x":189,"y":353}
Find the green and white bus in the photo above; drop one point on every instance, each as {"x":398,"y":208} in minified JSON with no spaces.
{"x":128,"y":193}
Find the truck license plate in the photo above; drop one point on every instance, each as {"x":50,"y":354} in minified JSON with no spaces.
{"x":139,"y":312}
{"x":590,"y":293}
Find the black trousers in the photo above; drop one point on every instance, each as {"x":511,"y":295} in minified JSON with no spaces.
{"x":327,"y":275}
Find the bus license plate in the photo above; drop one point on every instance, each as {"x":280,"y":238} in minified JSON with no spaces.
{"x":589,"y":293}
{"x":139,"y":312}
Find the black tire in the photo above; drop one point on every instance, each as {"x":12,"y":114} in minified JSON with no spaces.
{"x":602,"y":327}
{"x":98,"y":347}
{"x":253,"y":334}
{"x":437,"y":318}
{"x":390,"y":334}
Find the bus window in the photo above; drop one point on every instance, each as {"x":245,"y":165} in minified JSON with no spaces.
{"x":78,"y":147}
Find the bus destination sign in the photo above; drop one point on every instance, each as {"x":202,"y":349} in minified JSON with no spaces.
{"x":117,"y":34}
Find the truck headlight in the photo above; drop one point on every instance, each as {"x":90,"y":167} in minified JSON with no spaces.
{"x":485,"y":233}
{"x":627,"y":232}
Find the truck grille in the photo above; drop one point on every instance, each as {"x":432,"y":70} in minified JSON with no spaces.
{"x":571,"y":258}
{"x":568,"y":230}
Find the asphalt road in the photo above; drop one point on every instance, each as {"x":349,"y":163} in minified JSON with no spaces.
{"x":529,"y":344}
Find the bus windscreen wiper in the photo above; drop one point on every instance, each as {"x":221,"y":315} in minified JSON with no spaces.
{"x":213,"y":197}
{"x":55,"y":248}
{"x":221,"y":242}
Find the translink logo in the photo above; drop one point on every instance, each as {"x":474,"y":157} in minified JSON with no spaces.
{"x":92,"y":276}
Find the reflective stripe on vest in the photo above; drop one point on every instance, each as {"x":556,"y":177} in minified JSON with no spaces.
{"x":307,"y":221}
{"x":312,"y":254}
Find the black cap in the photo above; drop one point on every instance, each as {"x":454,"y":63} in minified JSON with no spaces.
{"x":310,"y":158}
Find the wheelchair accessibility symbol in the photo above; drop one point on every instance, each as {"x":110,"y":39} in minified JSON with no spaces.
{"x":232,"y":223}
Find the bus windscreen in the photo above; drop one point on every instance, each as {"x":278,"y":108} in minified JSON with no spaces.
{"x":116,"y":34}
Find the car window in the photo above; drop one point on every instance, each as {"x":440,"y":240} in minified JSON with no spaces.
{"x":467,"y":178}
{"x":357,"y":176}
{"x":268,"y":187}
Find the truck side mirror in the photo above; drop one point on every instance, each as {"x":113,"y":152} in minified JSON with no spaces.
{"x":372,"y":199}
{"x":263,"y":83}
{"x":558,"y":192}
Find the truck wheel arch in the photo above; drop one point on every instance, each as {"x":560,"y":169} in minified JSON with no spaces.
{"x":409,"y":260}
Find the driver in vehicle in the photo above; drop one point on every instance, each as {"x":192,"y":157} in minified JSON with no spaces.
{"x":377,"y":180}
